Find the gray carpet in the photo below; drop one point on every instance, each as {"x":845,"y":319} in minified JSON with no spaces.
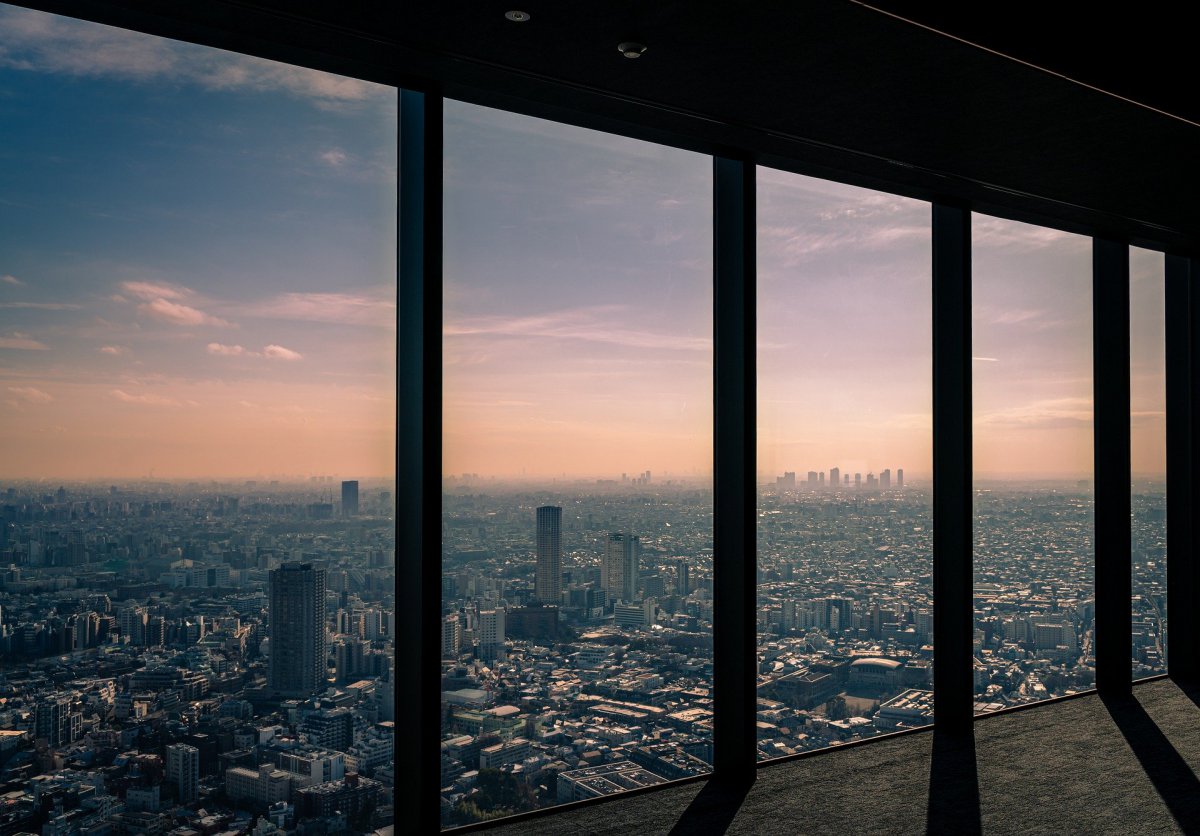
{"x":1079,"y":766}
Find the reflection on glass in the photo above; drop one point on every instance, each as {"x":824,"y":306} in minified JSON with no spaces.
{"x":1148,"y":437}
{"x":1033,"y":458}
{"x":577,"y":496}
{"x":845,"y":610}
{"x":197,"y":395}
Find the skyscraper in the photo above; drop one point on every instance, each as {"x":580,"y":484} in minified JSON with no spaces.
{"x":835,"y":477}
{"x":548,"y":586}
{"x":350,"y":499}
{"x":885,"y":479}
{"x":619,"y":572}
{"x":296,"y":666}
{"x":183,"y":770}
{"x":900,"y":478}
{"x":491,"y":635}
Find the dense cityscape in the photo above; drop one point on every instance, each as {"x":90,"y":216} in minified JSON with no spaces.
{"x":200,"y":658}
{"x":577,"y":629}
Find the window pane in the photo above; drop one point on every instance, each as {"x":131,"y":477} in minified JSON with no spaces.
{"x":1148,"y":436}
{"x":197,"y":394}
{"x":845,"y":619}
{"x":577,"y":527}
{"x":1033,"y":458}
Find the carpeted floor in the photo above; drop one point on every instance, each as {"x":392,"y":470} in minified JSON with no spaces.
{"x":1084,"y":765}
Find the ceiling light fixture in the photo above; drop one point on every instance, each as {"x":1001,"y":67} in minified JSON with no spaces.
{"x":630,"y":49}
{"x":517,"y":16}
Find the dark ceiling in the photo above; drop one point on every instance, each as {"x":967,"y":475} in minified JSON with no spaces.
{"x":834,"y":88}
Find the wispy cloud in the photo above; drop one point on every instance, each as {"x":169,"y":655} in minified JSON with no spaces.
{"x":40,"y":306}
{"x":30,"y":394}
{"x":986,"y":359}
{"x":177,"y":314}
{"x":144,"y":399}
{"x":278,"y":352}
{"x":1055,"y":413}
{"x":13,"y":280}
{"x":154,"y":290}
{"x":601,"y":324}
{"x":273,"y":352}
{"x":114,"y":350}
{"x":47,"y":43}
{"x":335,"y":157}
{"x":22,"y":342}
{"x":374,"y":308}
{"x":998,"y":233}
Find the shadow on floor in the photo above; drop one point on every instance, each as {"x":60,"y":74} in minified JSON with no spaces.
{"x":712,"y":810}
{"x":1190,"y":688}
{"x":1172,"y":778}
{"x":953,"y":786}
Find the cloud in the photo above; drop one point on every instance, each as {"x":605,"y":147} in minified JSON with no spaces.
{"x":1055,"y":413}
{"x":377,"y":309}
{"x":225,"y":350}
{"x":147,"y":400}
{"x":278,"y":352}
{"x":22,"y":342}
{"x":987,"y":359}
{"x":39,"y":42}
{"x":336,"y":157}
{"x":176,"y":314}
{"x":114,"y":350}
{"x":152,"y":290}
{"x":31,"y":395}
{"x":601,"y":324}
{"x":39,"y":306}
{"x":13,"y":280}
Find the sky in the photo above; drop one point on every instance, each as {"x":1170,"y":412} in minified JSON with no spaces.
{"x":197,"y":261}
{"x":577,"y":327}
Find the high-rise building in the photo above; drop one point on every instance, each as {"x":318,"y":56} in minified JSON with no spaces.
{"x":350,"y":499}
{"x":548,"y":586}
{"x":812,"y":480}
{"x":55,"y":722}
{"x":835,"y":477}
{"x":683,"y":580}
{"x":900,"y":478}
{"x":858,"y":480}
{"x":885,"y":479}
{"x":296,"y":666}
{"x":619,"y":573}
{"x":491,"y":635}
{"x":183,"y":770}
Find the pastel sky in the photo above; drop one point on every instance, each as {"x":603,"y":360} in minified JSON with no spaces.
{"x":197,"y":260}
{"x":577,"y":327}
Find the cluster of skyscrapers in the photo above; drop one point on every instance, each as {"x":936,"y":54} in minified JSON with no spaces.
{"x":816,"y":480}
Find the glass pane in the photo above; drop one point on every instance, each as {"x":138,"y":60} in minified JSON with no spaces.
{"x":1148,"y":436}
{"x":197,"y":390}
{"x":1033,"y":458}
{"x":845,"y":609}
{"x":577,"y":498}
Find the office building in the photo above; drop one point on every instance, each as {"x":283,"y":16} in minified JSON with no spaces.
{"x":350,"y":499}
{"x":491,"y":635}
{"x":296,"y":599}
{"x":55,"y":721}
{"x":835,"y":478}
{"x":619,"y":573}
{"x":548,"y":582}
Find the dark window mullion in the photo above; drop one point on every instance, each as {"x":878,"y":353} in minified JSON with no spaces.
{"x":953,"y":613}
{"x":1182,"y":318}
{"x":419,"y":455}
{"x":1112,"y":503}
{"x":734,"y":480}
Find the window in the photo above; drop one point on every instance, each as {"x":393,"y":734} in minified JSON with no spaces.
{"x":1032,"y":363}
{"x":197,"y":388}
{"x":577,"y":547}
{"x":845,"y":592}
{"x":1148,"y":431}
